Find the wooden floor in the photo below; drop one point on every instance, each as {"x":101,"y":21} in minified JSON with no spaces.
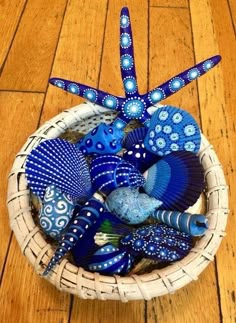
{"x":79,"y":40}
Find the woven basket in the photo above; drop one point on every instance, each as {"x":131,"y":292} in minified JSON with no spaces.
{"x":67,"y":277}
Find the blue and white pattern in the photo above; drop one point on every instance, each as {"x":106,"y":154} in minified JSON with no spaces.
{"x":56,"y":212}
{"x":133,"y":108}
{"x":128,"y":74}
{"x":73,"y":88}
{"x":82,"y":222}
{"x":172,"y":129}
{"x":192,"y":224}
{"x":109,"y":172}
{"x":130,"y":206}
{"x":103,"y":139}
{"x":58,"y":162}
{"x":157,"y":242}
{"x":110,"y":260}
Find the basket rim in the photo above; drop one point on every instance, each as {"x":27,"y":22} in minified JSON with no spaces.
{"x":76,"y":280}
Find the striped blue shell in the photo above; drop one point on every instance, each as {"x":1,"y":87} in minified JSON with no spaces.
{"x":109,"y":260}
{"x":157,"y":242}
{"x":58,"y":162}
{"x":103,"y":139}
{"x":109,"y":172}
{"x":193,"y":224}
{"x":172,"y":129}
{"x":83,"y":220}
{"x":56,"y":211}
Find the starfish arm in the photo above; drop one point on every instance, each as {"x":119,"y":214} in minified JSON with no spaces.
{"x":177,"y":82}
{"x":145,"y":119}
{"x":89,"y":93}
{"x":121,"y":121}
{"x":127,"y":64}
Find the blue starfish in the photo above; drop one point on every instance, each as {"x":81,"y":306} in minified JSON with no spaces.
{"x":134,"y":105}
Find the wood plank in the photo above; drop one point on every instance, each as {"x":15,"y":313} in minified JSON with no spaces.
{"x":110,"y":80}
{"x":232,"y":6}
{"x":78,"y":54}
{"x":25,"y":297}
{"x":20,"y":113}
{"x":169,"y":3}
{"x":28,"y":64}
{"x":171,"y":52}
{"x":217,"y":102}
{"x":11,"y":12}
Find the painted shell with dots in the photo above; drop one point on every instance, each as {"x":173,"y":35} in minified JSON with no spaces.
{"x":83,"y":220}
{"x":58,"y":162}
{"x":56,"y":211}
{"x":103,"y":139}
{"x":109,"y":260}
{"x":109,"y":172}
{"x":157,"y":242}
{"x":172,"y":129}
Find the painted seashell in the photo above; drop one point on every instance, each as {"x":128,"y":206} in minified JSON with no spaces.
{"x":103,"y":139}
{"x":136,"y":136}
{"x":58,"y":162}
{"x":177,"y":180}
{"x":86,"y":246}
{"x":109,"y":172}
{"x":109,"y":260}
{"x":56,"y":211}
{"x":140,"y":157}
{"x":131,"y":206}
{"x":83,"y":220}
{"x":172,"y":129}
{"x":157,"y":242}
{"x":193,"y":224}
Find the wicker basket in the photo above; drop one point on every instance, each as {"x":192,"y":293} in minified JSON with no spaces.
{"x":67,"y":277}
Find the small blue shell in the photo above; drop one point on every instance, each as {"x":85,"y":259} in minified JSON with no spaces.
{"x":140,"y":157}
{"x":103,"y":139}
{"x":157,"y":242}
{"x":135,"y":136}
{"x":58,"y":162}
{"x":130,"y":206}
{"x":109,"y":260}
{"x":172,"y":129}
{"x":56,"y":212}
{"x":109,"y":172}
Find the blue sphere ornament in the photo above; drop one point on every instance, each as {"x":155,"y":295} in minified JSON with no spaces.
{"x":109,"y":172}
{"x":109,"y":260}
{"x":157,"y":242}
{"x":56,"y":212}
{"x":130,"y":206}
{"x":134,"y":105}
{"x":103,"y":139}
{"x":172,"y":129}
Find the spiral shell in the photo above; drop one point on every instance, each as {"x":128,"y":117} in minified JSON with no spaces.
{"x":109,"y":172}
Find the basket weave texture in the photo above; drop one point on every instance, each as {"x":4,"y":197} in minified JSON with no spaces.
{"x":66,"y":276}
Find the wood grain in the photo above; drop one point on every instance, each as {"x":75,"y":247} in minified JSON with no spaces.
{"x":11,"y":12}
{"x":20,"y":112}
{"x":29,"y":62}
{"x":177,"y":46}
{"x":169,"y":3}
{"x":79,"y":51}
{"x":232,"y":8}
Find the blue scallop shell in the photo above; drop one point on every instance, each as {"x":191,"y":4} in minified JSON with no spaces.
{"x":109,"y":172}
{"x":177,"y":180}
{"x":140,"y":157}
{"x":172,"y":129}
{"x":130,"y":206}
{"x":157,"y":242}
{"x":56,"y":212}
{"x":110,"y":260}
{"x":103,"y":139}
{"x":136,"y":136}
{"x":58,"y":162}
